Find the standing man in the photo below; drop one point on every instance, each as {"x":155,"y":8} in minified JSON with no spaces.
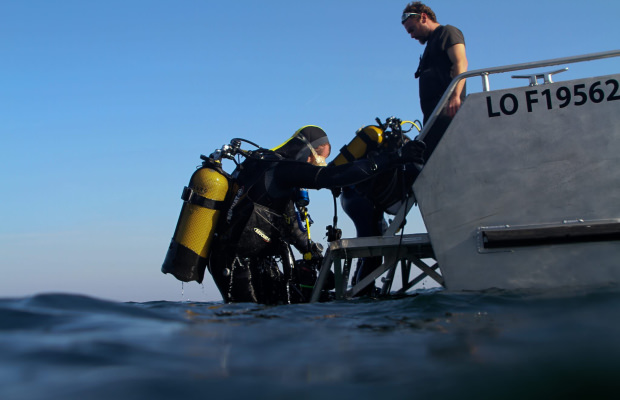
{"x":443,"y":59}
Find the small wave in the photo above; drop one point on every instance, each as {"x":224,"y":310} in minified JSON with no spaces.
{"x":46,"y":311}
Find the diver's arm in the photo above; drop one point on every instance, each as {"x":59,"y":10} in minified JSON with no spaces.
{"x":351,"y":173}
{"x":300,"y":174}
{"x":298,"y":238}
{"x":304,"y":175}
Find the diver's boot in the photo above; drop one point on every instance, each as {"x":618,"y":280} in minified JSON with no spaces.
{"x":368,"y":265}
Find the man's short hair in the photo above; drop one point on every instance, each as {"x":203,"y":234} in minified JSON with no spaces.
{"x":419,"y":7}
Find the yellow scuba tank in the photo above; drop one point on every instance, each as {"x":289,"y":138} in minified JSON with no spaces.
{"x":203,"y":201}
{"x":367,"y":138}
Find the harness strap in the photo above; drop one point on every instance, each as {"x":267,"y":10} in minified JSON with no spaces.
{"x":192,"y":197}
{"x":347,"y":154}
{"x":364,"y":136}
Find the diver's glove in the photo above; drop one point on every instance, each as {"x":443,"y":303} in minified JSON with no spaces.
{"x":315,"y":251}
{"x":413,"y":152}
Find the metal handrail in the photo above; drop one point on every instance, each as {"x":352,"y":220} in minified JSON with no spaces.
{"x":484,"y":73}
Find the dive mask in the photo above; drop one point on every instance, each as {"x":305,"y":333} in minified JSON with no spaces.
{"x":318,"y":160}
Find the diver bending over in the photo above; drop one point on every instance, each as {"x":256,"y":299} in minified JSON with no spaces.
{"x":257,"y":229}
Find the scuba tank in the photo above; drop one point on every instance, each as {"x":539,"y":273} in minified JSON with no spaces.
{"x":366,"y":139}
{"x":203,"y":200}
{"x":388,"y":135}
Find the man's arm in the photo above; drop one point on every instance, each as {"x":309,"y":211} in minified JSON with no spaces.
{"x":458,"y":57}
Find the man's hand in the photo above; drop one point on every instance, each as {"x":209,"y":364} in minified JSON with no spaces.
{"x":453,"y":106}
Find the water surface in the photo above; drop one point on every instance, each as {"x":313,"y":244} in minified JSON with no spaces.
{"x":493,"y":344}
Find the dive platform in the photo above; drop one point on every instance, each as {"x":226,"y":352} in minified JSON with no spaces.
{"x":403,"y":250}
{"x":522,"y":191}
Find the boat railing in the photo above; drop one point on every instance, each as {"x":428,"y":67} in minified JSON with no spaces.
{"x":486,"y":72}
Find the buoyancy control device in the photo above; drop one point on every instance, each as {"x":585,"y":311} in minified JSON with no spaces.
{"x":387,"y":190}
{"x":210,"y":193}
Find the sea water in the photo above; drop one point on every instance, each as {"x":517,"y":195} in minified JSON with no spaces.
{"x":428,"y":344}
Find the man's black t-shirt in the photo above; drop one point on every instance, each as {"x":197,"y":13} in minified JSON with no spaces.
{"x":435,"y":66}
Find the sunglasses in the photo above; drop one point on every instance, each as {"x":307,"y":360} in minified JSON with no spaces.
{"x":406,"y":16}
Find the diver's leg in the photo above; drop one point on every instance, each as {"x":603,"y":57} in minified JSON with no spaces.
{"x":233,"y":278}
{"x":368,"y":221}
{"x":268,"y":282}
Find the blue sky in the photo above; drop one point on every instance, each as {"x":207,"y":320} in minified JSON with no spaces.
{"x":105,"y":108}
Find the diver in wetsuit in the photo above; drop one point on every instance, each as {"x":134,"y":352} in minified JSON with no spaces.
{"x":257,"y":229}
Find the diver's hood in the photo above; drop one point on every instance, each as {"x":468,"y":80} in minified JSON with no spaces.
{"x":302,"y":144}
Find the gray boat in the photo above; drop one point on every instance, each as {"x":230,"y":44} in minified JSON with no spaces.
{"x":523,"y":191}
